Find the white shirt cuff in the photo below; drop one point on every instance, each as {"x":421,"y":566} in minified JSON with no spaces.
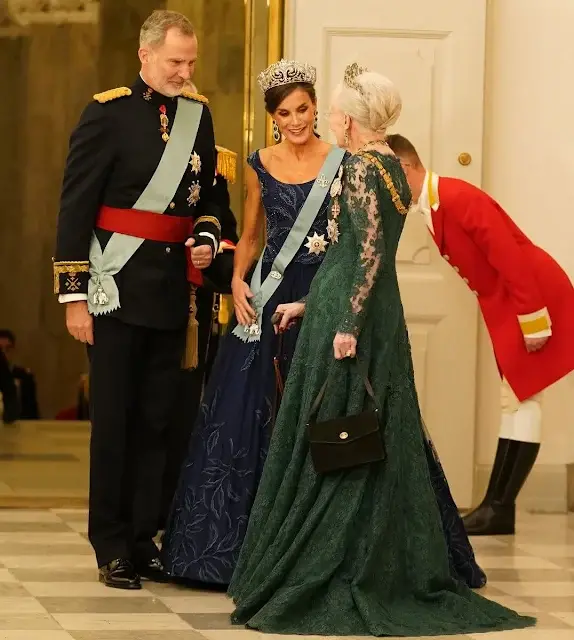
{"x":72,"y":297}
{"x":546,"y":333}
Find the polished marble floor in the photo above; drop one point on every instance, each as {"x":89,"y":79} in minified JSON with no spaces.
{"x":44,"y":464}
{"x":49,"y":588}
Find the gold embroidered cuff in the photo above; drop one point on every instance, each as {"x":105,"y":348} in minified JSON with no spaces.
{"x":207,"y":220}
{"x":226,"y":164}
{"x":535,"y":323}
{"x":71,"y":277}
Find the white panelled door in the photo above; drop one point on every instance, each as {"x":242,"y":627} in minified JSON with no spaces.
{"x":434,"y":52}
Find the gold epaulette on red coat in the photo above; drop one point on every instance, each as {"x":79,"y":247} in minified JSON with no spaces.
{"x":112,"y":94}
{"x":71,"y":277}
{"x":190,"y":95}
{"x":226,"y":163}
{"x":536,"y":324}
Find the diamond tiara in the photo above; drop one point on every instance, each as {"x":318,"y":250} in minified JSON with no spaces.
{"x":286,"y":72}
{"x":352,"y":72}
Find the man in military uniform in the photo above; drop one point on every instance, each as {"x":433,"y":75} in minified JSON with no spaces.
{"x":138,"y":189}
{"x":212,"y":316}
{"x":527,"y":302}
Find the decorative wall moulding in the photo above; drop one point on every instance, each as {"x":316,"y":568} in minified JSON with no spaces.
{"x":24,"y":12}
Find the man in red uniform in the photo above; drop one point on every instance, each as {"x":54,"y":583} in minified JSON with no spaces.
{"x":527,"y":302}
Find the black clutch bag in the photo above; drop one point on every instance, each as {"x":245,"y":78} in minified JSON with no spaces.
{"x":350,"y":441}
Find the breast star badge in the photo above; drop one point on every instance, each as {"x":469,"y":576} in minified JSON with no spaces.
{"x":333,"y":231}
{"x":195,"y":163}
{"x":193,"y":197}
{"x":316,"y":244}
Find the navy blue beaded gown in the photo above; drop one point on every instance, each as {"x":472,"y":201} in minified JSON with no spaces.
{"x":229,"y":443}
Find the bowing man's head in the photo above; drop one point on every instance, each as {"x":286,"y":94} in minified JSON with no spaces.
{"x":409,"y":158}
{"x":168,"y":52}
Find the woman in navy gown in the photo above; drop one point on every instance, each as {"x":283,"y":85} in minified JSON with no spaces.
{"x":286,"y":184}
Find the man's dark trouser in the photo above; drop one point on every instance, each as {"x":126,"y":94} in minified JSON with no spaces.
{"x":133,"y":386}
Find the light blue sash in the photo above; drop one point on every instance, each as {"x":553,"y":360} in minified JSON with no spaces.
{"x":262,"y":292}
{"x":103,"y":294}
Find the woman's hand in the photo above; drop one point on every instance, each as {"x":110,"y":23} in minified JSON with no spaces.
{"x":244,"y":312}
{"x":289,"y":313}
{"x":344,"y":346}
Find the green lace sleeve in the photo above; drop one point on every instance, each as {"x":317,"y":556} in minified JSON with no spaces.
{"x":361,"y":198}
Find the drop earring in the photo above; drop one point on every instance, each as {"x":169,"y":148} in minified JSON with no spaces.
{"x":316,"y":123}
{"x":346,"y":139}
{"x":276,"y":132}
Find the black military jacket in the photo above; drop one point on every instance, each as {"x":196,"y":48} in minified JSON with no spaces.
{"x":113,"y":154}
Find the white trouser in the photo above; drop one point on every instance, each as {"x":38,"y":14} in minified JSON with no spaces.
{"x":520,"y":421}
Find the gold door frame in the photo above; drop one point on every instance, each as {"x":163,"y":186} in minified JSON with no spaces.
{"x":256,"y":133}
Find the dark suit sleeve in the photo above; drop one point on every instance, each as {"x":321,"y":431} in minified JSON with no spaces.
{"x":208,"y":220}
{"x":218,"y":275}
{"x":88,"y":165}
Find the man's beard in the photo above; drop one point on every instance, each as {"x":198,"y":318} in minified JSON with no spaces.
{"x":173,"y":90}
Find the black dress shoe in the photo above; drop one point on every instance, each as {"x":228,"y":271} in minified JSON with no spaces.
{"x":152,"y":570}
{"x":120,"y":574}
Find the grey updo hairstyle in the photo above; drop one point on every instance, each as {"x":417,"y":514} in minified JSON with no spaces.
{"x":370,"y":99}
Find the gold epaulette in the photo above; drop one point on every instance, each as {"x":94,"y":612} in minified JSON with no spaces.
{"x":112,"y":94}
{"x":186,"y":93}
{"x":226,"y":163}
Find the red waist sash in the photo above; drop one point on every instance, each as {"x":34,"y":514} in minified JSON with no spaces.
{"x":150,"y":226}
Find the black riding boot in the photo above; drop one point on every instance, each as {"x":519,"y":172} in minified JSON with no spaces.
{"x":496,"y":514}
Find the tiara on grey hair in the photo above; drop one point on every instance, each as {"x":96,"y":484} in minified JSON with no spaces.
{"x":286,"y":72}
{"x":352,"y":72}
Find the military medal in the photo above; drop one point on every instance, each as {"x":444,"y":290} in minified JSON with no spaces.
{"x":193,"y":196}
{"x":100,"y":297}
{"x":333,"y":231}
{"x":316,"y":244}
{"x":333,"y":225}
{"x":195,"y":163}
{"x":253,"y":329}
{"x":164,"y":122}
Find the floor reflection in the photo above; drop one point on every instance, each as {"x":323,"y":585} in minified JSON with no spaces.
{"x":44,"y":464}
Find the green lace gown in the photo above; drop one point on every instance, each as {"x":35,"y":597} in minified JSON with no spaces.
{"x":358,"y":552}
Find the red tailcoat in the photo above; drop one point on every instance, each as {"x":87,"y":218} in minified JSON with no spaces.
{"x":521,"y":290}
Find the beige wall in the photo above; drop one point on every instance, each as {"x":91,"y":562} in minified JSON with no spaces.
{"x":528,"y":168}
